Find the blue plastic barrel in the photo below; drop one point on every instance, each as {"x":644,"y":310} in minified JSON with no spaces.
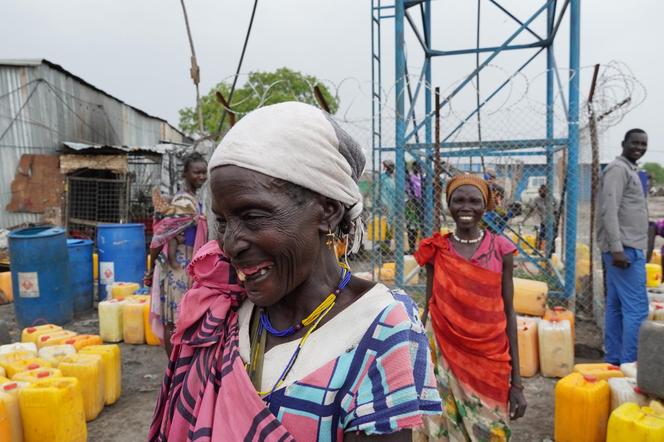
{"x":80,"y":273}
{"x":40,"y":276}
{"x":121,"y":249}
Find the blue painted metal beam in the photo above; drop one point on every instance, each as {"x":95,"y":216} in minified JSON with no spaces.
{"x":416,"y":152}
{"x":492,"y":153}
{"x":513,"y":17}
{"x":560,"y":86}
{"x":560,"y":19}
{"x":550,"y":166}
{"x":428,"y":136}
{"x":493,"y":94}
{"x":413,"y":98}
{"x":496,"y":144}
{"x":411,"y":3}
{"x":423,"y":43}
{"x":440,"y":53}
{"x":400,"y":129}
{"x":376,"y":122}
{"x":572,"y":151}
{"x":488,"y":60}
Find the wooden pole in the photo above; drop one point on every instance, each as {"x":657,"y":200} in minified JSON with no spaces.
{"x":437,"y":171}
{"x":227,"y":107}
{"x":320,"y":98}
{"x":594,"y":178}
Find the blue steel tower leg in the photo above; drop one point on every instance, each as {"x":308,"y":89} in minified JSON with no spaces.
{"x":550,"y":178}
{"x":429,"y":179}
{"x":400,"y":158}
{"x":573,"y":151}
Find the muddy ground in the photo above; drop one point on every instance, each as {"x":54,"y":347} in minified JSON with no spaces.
{"x":143,"y":366}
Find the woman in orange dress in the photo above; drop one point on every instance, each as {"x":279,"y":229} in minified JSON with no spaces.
{"x":469,"y":306}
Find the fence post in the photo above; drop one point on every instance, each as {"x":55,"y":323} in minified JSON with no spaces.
{"x":400,"y":129}
{"x":550,"y":166}
{"x":572,"y":152}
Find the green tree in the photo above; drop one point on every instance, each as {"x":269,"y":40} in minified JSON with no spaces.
{"x":260,"y":89}
{"x":656,"y":172}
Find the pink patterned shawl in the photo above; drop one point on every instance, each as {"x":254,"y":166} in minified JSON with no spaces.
{"x":207,"y":394}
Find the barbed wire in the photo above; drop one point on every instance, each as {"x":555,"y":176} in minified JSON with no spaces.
{"x":517,"y":111}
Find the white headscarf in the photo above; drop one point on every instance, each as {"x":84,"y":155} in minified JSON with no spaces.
{"x":301,"y":144}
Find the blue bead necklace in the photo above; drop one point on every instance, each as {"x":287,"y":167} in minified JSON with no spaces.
{"x":322,"y":307}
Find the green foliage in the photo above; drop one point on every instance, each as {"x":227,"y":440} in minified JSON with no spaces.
{"x":656,"y":172}
{"x":260,"y":89}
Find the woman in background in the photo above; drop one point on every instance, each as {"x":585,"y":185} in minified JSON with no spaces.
{"x":180,"y":229}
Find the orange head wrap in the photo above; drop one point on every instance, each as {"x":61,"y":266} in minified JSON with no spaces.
{"x":470,"y":180}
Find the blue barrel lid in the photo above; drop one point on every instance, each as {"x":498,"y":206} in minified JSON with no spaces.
{"x":119,"y":226}
{"x":36,"y":232}
{"x":73,"y":242}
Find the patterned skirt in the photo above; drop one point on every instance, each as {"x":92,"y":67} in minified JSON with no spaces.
{"x":465,"y":418}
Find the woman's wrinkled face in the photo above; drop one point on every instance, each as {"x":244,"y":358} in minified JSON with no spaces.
{"x":272,"y":239}
{"x":467,"y":206}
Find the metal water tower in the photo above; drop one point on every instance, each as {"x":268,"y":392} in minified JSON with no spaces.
{"x":415,"y":17}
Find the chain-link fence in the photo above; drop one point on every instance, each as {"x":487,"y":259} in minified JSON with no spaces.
{"x":508,"y":142}
{"x":509,"y":147}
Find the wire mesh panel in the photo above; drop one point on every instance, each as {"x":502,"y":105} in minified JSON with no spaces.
{"x":145,"y":173}
{"x":516,"y":137}
{"x":92,"y":201}
{"x":520,"y":147}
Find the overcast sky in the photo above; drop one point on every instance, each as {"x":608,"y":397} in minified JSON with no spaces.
{"x":138,"y":50}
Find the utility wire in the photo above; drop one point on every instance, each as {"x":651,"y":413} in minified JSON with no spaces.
{"x":239,"y":66}
{"x":27,"y":100}
{"x":195,"y":70}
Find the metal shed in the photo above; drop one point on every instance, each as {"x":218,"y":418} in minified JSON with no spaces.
{"x":42,"y":105}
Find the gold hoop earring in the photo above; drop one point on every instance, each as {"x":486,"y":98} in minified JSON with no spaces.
{"x":331,"y":239}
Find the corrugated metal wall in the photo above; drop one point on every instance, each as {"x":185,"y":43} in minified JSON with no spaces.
{"x":42,"y":106}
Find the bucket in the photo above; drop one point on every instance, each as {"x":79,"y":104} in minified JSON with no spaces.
{"x":121,"y":249}
{"x":40,"y":276}
{"x":80,"y":273}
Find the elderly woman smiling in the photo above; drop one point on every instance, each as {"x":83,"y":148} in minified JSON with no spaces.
{"x":293,"y":347}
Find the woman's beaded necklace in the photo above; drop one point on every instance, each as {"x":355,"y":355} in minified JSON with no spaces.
{"x":306,"y":322}
{"x":469,"y":241}
{"x":313,"y":319}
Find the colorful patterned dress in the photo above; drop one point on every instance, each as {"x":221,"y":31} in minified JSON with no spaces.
{"x":174,"y":282}
{"x":368,"y":369}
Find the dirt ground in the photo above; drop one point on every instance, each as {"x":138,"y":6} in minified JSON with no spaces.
{"x":143,"y":368}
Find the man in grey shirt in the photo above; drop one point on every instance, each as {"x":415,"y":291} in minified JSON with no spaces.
{"x":622,"y":230}
{"x":538,"y":207}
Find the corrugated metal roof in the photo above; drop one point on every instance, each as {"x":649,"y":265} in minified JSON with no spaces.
{"x":21,"y":62}
{"x":160,"y":148}
{"x":42,"y":105}
{"x":36,"y":62}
